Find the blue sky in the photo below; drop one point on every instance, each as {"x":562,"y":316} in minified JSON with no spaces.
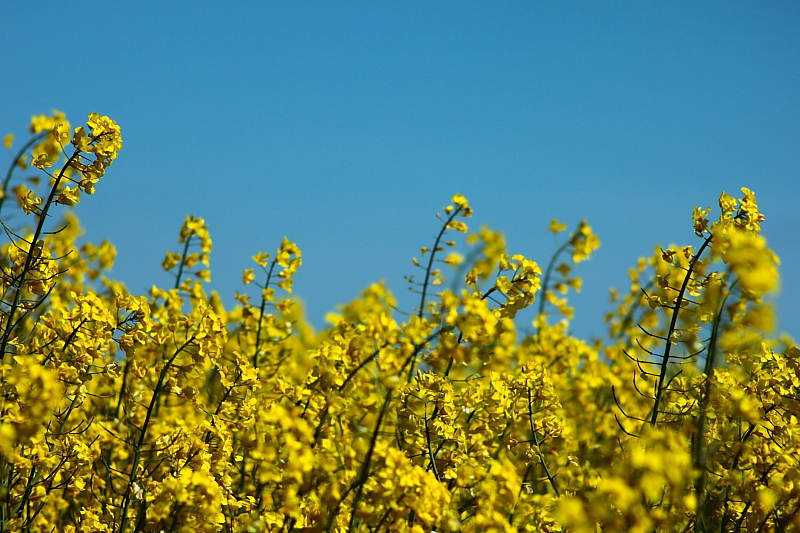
{"x":346,"y":126}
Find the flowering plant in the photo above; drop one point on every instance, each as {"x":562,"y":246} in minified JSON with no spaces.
{"x":170,"y":412}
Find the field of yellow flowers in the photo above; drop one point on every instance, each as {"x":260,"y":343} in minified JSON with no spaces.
{"x":168,"y":412}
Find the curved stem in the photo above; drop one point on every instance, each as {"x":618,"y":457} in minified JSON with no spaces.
{"x":183,"y":260}
{"x":33,"y":140}
{"x":546,"y":279}
{"x":428,"y":270}
{"x":673,"y":322}
{"x":137,"y":457}
{"x":538,"y":443}
{"x":700,"y":449}
{"x":29,"y":259}
{"x":261,"y":315}
{"x":364,"y":474}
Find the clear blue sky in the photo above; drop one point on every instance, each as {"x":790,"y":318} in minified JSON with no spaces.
{"x":346,"y":126}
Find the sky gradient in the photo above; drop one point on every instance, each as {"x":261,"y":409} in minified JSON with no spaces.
{"x":347,"y":126}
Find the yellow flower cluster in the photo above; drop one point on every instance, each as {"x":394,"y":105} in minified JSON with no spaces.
{"x":170,"y":412}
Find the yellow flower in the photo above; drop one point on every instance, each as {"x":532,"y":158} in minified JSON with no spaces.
{"x":459,"y":200}
{"x":42,"y":162}
{"x":286,"y":284}
{"x":700,"y":222}
{"x":463,"y":204}
{"x":27,"y":200}
{"x":457,"y":225}
{"x":171,"y":260}
{"x":454,"y":259}
{"x":557,"y":227}
{"x":727,"y":203}
{"x":69,"y":196}
{"x":261,"y":259}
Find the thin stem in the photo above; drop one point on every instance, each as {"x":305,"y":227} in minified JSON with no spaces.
{"x":183,"y":260}
{"x":673,"y":323}
{"x":364,"y":474}
{"x":261,"y":315}
{"x":29,"y":258}
{"x":428,"y":270}
{"x":538,"y":443}
{"x":546,"y":279}
{"x":33,"y":140}
{"x":143,"y":435}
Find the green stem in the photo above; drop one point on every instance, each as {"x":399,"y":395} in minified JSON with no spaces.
{"x":261,"y":316}
{"x":672,"y":326}
{"x":183,"y":260}
{"x":538,"y":443}
{"x":29,"y":258}
{"x":546,"y":279}
{"x":700,"y":448}
{"x":428,"y":270}
{"x":143,"y":435}
{"x":364,"y":474}
{"x":33,"y":140}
